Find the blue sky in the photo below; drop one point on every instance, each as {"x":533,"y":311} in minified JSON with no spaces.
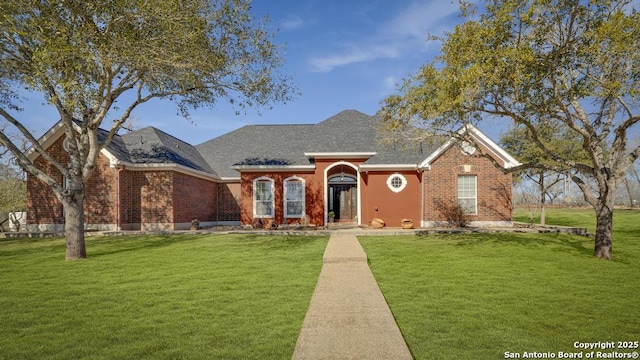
{"x":340,"y":54}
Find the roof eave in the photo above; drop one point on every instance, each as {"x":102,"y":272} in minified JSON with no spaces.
{"x":508,"y":160}
{"x":170,"y":167}
{"x":273,"y":168}
{"x":341,"y":155}
{"x":387,"y":167}
{"x":47,"y":139}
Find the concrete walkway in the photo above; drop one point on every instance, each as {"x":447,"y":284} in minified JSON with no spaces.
{"x":348,"y":318}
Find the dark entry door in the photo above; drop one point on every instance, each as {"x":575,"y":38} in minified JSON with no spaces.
{"x":344,"y":201}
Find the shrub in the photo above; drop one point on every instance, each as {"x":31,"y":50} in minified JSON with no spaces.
{"x":452,"y":213}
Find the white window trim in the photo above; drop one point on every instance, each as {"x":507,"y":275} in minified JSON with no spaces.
{"x":475,"y":198}
{"x":284,"y":198}
{"x":390,"y":180}
{"x":255,"y":181}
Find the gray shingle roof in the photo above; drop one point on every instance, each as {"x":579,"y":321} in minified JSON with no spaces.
{"x":116,"y":147}
{"x":257,"y":145}
{"x":347,"y":131}
{"x":152,"y":146}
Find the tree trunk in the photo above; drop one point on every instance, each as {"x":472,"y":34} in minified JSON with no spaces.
{"x":74,"y":227}
{"x":604,"y":231}
{"x":629,"y":193}
{"x":543,"y":200}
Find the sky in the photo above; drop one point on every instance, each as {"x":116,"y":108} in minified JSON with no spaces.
{"x":340,"y":55}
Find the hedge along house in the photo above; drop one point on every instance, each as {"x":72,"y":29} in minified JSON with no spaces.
{"x":279,"y":174}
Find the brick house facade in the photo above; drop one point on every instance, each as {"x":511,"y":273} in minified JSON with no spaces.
{"x":494,"y":188}
{"x":281,"y":174}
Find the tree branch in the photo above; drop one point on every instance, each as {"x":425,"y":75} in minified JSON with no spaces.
{"x":32,"y":140}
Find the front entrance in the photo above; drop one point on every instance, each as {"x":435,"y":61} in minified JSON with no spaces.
{"x":343,"y":201}
{"x":342,"y":197}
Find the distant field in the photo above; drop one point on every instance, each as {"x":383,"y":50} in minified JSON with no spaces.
{"x":625,"y":221}
{"x":157,"y":297}
{"x":479,"y":296}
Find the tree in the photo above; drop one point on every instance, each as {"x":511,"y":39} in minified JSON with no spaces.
{"x":517,"y":140}
{"x":530,"y":62}
{"x":85,"y":56}
{"x":13,"y":190}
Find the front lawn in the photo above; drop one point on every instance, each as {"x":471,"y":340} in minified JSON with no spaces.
{"x":626,"y":222}
{"x":479,"y":296}
{"x":157,"y":297}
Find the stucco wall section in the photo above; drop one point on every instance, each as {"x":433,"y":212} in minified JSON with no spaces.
{"x":378,"y":201}
{"x":313,"y":197}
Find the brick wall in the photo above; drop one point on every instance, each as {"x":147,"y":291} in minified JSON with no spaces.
{"x":42,"y":205}
{"x":493,"y":186}
{"x":146,"y":198}
{"x":228,"y":205}
{"x":156,"y":199}
{"x":166,"y":200}
{"x":100,"y":197}
{"x":193,"y":198}
{"x":130,"y":210}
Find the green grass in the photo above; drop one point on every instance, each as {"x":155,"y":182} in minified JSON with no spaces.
{"x":579,"y":217}
{"x":157,"y":297}
{"x":626,"y":222}
{"x":477,"y":296}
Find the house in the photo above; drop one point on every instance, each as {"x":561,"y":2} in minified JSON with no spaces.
{"x":280,"y":174}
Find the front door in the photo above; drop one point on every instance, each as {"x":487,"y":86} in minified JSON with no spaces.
{"x":343,"y":201}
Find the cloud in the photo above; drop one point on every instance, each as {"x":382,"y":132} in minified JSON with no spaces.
{"x":391,"y":82}
{"x":421,"y":18}
{"x":292,"y":23}
{"x":352,"y":56}
{"x":404,"y":33}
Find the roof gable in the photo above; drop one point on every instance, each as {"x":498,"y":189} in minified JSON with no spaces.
{"x":508,"y":160}
{"x":138,"y":148}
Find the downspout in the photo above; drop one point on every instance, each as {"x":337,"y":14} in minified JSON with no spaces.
{"x":118,"y":219}
{"x":422,"y":185}
{"x":217,"y":203}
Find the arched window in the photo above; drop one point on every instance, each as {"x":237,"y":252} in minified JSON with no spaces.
{"x":294,"y":199}
{"x":263,"y":197}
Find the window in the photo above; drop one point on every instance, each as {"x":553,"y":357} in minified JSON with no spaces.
{"x":467,"y":193}
{"x":293,"y":197}
{"x":263,"y":197}
{"x":396,"y":182}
